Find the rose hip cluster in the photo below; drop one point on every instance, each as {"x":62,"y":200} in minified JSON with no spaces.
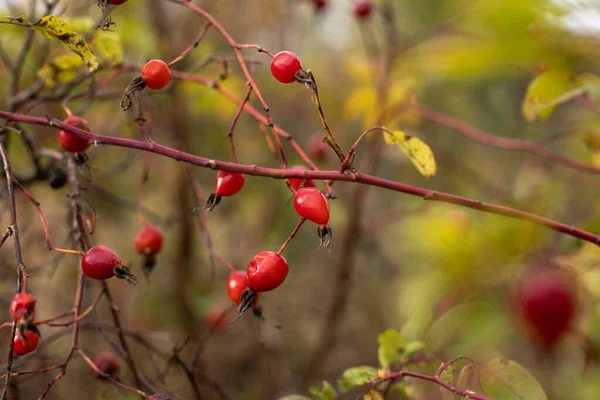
{"x":22,"y":311}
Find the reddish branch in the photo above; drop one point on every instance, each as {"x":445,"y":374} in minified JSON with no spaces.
{"x":487,"y":139}
{"x":366,"y":179}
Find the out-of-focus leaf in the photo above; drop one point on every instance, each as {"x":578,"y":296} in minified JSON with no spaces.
{"x":325,"y":392}
{"x":413,"y":347}
{"x":391,"y":344}
{"x":416,"y":150}
{"x":468,"y":378}
{"x":109,"y":46}
{"x":508,"y":380}
{"x":448,"y":376}
{"x":546,"y":91}
{"x":591,"y":83}
{"x":55,"y":28}
{"x":373,"y":395}
{"x":357,"y":376}
{"x":62,"y":69}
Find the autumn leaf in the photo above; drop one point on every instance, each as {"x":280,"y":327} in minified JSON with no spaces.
{"x":416,"y":150}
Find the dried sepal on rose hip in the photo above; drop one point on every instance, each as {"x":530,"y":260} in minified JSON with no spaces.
{"x":311,"y":203}
{"x":155,"y":75}
{"x":100,"y":262}
{"x":226,"y":184}
{"x":106,"y":23}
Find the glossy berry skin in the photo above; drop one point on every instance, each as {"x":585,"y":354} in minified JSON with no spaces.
{"x":311,"y":204}
{"x":24,"y":346}
{"x":22,"y":307}
{"x":148,"y":241}
{"x":228,"y":183}
{"x":70,"y":142}
{"x":284,"y":66}
{"x":156,"y":73}
{"x":266,"y":271}
{"x":363,"y":9}
{"x":117,"y":2}
{"x":297,"y":183}
{"x":546,"y":300}
{"x":107,"y":363}
{"x":99,"y":262}
{"x":236,"y":284}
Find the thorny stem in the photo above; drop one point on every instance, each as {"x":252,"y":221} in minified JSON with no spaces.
{"x":291,"y":236}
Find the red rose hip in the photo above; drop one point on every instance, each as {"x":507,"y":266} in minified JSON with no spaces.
{"x":266,"y":271}
{"x":25,"y":344}
{"x":117,"y":2}
{"x":148,"y":241}
{"x":70,"y":142}
{"x":297,"y":183}
{"x":236,"y":283}
{"x":22,"y":307}
{"x":363,"y":8}
{"x":100,"y":262}
{"x":284,"y":66}
{"x":108,"y":364}
{"x":156,"y":73}
{"x":546,"y":300}
{"x":226,"y":184}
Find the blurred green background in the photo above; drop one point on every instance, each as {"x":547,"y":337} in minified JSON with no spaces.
{"x":437,"y":273}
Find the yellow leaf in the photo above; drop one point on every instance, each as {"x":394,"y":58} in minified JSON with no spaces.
{"x":54,"y":28}
{"x":546,"y":91}
{"x":373,"y":395}
{"x":109,"y":46}
{"x":62,"y":69}
{"x":418,"y":152}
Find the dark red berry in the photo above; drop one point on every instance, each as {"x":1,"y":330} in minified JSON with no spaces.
{"x":148,"y":241}
{"x":266,"y":271}
{"x":236,"y":283}
{"x":100,"y":262}
{"x":25,"y":344}
{"x":70,"y":142}
{"x":22,"y":307}
{"x":159,"y":396}
{"x":311,"y":204}
{"x":546,"y":300}
{"x":228,"y":183}
{"x":297,"y":183}
{"x":108,"y":364}
{"x":317,"y":149}
{"x":117,"y":2}
{"x":363,"y":8}
{"x":156,"y":73}
{"x":284,"y":66}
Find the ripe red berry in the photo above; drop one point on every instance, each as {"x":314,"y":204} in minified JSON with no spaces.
{"x":108,"y":364}
{"x":311,"y":204}
{"x":228,"y":183}
{"x":297,"y":183}
{"x":22,"y":307}
{"x":316,"y":148}
{"x":148,"y":241}
{"x":363,"y":8}
{"x":100,"y":262}
{"x":266,"y":271}
{"x":71,"y":142}
{"x":156,"y":73}
{"x":117,"y":2}
{"x":27,"y":344}
{"x":236,"y":284}
{"x":284,"y":66}
{"x":546,"y":299}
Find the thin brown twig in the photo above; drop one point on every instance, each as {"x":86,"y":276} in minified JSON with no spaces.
{"x":193,"y":45}
{"x":291,"y":236}
{"x":234,"y":122}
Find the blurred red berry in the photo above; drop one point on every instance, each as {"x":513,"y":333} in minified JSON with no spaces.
{"x":70,"y":142}
{"x":108,"y":364}
{"x":148,"y":241}
{"x":22,"y":306}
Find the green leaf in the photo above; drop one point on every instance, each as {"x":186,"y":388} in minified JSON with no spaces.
{"x":55,"y":28}
{"x":372,"y":395}
{"x":412,"y":348}
{"x":591,"y":83}
{"x":448,"y":376}
{"x":508,"y":380}
{"x":546,"y":91}
{"x":357,"y":376}
{"x":416,"y":150}
{"x":109,"y":46}
{"x":468,"y":379}
{"x":62,"y":69}
{"x":325,"y":392}
{"x":391,"y":345}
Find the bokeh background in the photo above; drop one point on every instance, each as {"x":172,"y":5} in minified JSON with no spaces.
{"x":438,"y":273}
